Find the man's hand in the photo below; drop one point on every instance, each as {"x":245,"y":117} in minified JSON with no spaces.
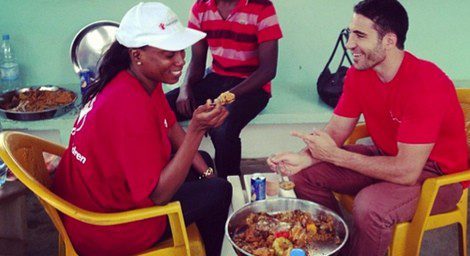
{"x":185,"y":102}
{"x":320,"y":144}
{"x":289,"y":163}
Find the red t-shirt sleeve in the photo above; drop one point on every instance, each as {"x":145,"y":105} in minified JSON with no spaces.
{"x":422,"y":118}
{"x":349,"y":103}
{"x":268,"y":25}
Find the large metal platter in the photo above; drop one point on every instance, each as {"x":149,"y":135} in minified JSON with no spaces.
{"x":7,"y":98}
{"x":90,"y":43}
{"x":280,"y":204}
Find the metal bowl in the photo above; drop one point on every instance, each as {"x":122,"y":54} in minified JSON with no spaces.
{"x":276,"y":205}
{"x":6,"y":103}
{"x":90,"y":43}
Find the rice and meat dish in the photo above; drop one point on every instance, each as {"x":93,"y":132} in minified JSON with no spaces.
{"x":38,"y":100}
{"x":277,"y":234}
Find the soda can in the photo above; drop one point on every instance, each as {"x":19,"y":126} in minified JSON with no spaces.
{"x":86,"y":77}
{"x":258,"y":187}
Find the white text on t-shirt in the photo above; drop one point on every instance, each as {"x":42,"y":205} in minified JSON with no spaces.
{"x":78,"y":156}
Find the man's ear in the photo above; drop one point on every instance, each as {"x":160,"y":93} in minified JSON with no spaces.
{"x":390,"y":40}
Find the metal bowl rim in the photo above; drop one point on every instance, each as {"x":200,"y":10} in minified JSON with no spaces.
{"x":337,"y":217}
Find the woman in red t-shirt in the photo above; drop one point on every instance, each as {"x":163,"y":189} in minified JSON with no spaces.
{"x":120,"y":150}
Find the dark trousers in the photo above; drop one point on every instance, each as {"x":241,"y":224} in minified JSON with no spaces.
{"x":205,"y":202}
{"x":226,"y":138}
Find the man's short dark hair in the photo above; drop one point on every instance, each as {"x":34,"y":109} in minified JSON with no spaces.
{"x":388,"y":16}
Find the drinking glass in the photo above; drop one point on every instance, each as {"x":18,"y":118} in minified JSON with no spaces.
{"x":284,"y":182}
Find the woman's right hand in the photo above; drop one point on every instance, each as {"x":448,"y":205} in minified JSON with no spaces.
{"x":207,"y":116}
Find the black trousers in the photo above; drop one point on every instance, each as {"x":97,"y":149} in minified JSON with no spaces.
{"x":226,"y":138}
{"x":206,"y":203}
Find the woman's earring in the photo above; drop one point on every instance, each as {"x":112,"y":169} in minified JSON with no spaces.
{"x":139,"y":63}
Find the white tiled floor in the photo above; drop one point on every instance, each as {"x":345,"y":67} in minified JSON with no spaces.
{"x":227,"y":249}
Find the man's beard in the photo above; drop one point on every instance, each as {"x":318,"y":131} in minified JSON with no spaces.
{"x":371,"y":59}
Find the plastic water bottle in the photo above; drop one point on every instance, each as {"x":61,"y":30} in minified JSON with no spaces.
{"x":9,"y":69}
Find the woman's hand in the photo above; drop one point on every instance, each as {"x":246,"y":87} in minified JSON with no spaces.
{"x":207,"y":116}
{"x":289,"y":163}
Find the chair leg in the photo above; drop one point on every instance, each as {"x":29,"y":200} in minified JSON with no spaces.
{"x":61,"y":247}
{"x":463,"y":238}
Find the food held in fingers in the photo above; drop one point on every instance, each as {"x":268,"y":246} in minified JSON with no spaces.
{"x":225,"y":98}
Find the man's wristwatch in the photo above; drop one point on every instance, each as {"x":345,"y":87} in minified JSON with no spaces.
{"x":207,"y":172}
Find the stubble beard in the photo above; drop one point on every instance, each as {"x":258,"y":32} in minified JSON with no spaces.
{"x":372,"y":58}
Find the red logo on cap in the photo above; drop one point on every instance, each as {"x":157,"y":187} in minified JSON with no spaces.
{"x":162,"y":26}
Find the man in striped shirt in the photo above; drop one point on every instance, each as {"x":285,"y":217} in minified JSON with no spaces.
{"x":242,"y":36}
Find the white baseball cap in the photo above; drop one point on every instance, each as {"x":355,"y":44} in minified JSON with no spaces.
{"x":156,"y":25}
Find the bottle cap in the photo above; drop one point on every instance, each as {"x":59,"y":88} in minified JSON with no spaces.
{"x":6,"y":37}
{"x":297,"y":252}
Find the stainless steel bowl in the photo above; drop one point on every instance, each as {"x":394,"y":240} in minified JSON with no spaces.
{"x":287,"y":204}
{"x":90,"y":43}
{"x":7,"y":97}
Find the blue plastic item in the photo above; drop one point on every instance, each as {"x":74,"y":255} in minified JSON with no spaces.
{"x":297,"y":252}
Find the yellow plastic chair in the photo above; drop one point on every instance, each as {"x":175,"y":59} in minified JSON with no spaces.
{"x":407,"y":236}
{"x":23,"y":154}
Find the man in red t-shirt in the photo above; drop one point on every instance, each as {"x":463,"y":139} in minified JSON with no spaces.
{"x":415,"y":121}
{"x":243,"y":39}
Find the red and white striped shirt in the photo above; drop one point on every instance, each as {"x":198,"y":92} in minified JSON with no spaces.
{"x":234,"y":41}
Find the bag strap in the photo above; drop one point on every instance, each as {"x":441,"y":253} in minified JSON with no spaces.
{"x":343,"y":35}
{"x":334,"y":51}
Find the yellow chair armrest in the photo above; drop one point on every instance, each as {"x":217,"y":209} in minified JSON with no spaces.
{"x":359,"y":132}
{"x":431,"y":187}
{"x":172,"y":210}
{"x":106,"y":219}
{"x":446,"y":180}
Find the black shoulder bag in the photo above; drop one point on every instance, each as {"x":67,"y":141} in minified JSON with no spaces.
{"x":330,"y":85}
